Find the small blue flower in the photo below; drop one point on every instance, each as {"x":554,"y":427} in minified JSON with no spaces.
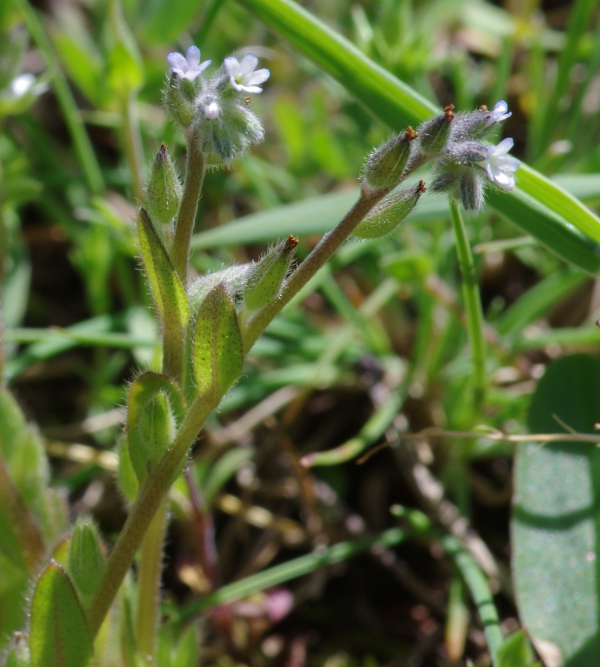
{"x":189,"y":67}
{"x":499,"y":113}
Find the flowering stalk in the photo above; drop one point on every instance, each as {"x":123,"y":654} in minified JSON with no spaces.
{"x":184,"y":227}
{"x":211,"y":326}
{"x":315,"y":260}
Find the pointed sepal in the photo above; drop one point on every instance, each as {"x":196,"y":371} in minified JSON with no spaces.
{"x":267,"y":275}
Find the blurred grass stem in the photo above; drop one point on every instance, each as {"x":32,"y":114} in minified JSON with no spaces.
{"x":81,"y":142}
{"x":472,"y":299}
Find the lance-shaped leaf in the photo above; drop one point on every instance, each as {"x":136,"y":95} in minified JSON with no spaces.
{"x":155,"y":408}
{"x":59,"y":635}
{"x":87,"y":561}
{"x":217,"y":350}
{"x":167,"y":290}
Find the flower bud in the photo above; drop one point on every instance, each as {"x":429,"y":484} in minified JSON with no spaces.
{"x":234,"y":277}
{"x":389,"y":213}
{"x":225,"y":128}
{"x":462,"y":183}
{"x":164,"y":190}
{"x":386,"y":164}
{"x":471,"y":190}
{"x":86,"y":558}
{"x":479,"y":124}
{"x":155,"y":405}
{"x":264,"y":281}
{"x":179,"y":100}
{"x":434,"y":134}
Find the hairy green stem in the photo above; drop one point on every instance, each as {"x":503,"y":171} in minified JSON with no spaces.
{"x":472,"y":299}
{"x":317,"y":258}
{"x":147,"y":504}
{"x":194,"y":175}
{"x":149,"y":577}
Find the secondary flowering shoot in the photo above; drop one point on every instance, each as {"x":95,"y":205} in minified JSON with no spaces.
{"x":461,"y":168}
{"x":242,"y":75}
{"x":215,"y":113}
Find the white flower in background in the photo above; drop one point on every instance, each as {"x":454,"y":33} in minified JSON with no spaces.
{"x":242,"y":75}
{"x":500,"y":166}
{"x":189,"y":67}
{"x":26,"y":84}
{"x":499,"y":113}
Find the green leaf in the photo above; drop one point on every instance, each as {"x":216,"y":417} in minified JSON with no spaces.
{"x":14,"y":586}
{"x":124,"y":69}
{"x":217,"y":349}
{"x":126,"y":475}
{"x":188,"y":649}
{"x":408,"y":265}
{"x":86,"y":557}
{"x":555,"y":526}
{"x":516,"y":651}
{"x":163,"y":25}
{"x":155,"y":406}
{"x":558,"y":221}
{"x":11,"y":423}
{"x":59,"y":635}
{"x":167,"y":290}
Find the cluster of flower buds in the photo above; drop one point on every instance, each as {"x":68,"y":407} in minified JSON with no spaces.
{"x":462,"y":160}
{"x":216,"y":111}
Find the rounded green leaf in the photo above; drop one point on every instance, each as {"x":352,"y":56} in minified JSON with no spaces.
{"x":59,"y":635}
{"x":555,"y":527}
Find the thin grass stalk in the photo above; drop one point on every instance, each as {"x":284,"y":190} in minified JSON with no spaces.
{"x":81,"y":142}
{"x":480,"y":593}
{"x":472,"y":299}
